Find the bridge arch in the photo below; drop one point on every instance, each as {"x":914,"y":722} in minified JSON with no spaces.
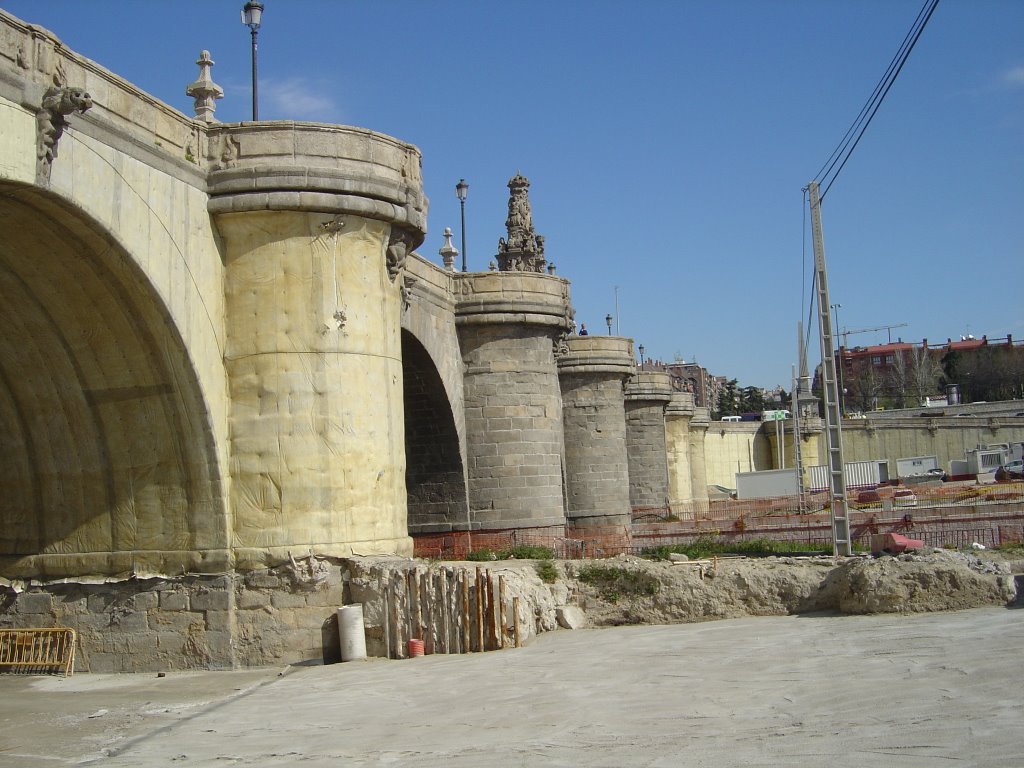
{"x":110,"y":465}
{"x":435,"y":476}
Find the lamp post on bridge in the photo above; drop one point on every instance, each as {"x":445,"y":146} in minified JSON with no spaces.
{"x":252,"y":15}
{"x":641,"y":350}
{"x":608,"y":322}
{"x":462,"y":192}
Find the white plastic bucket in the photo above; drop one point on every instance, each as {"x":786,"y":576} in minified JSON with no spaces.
{"x":351,"y":632}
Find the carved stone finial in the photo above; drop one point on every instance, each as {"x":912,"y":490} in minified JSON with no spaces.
{"x":51,"y":121}
{"x":204,"y":90}
{"x":448,"y":252}
{"x":524,"y":249}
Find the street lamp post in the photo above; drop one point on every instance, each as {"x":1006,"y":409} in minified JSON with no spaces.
{"x":608,"y":321}
{"x":641,"y":349}
{"x":252,"y":15}
{"x":462,"y":192}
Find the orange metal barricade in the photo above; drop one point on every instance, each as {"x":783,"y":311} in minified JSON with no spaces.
{"x":38,"y":650}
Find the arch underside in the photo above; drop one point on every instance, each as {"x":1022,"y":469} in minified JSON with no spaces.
{"x":434,"y":476}
{"x":107,"y":457}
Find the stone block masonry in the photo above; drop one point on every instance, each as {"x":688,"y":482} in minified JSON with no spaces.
{"x":507,"y":324}
{"x":647,"y":395}
{"x":592,"y":370}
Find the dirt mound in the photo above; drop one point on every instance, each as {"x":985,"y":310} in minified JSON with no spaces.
{"x":630,"y":590}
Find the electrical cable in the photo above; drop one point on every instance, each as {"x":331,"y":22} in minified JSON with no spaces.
{"x":860,"y":125}
{"x":826,"y":169}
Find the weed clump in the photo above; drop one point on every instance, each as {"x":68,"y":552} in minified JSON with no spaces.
{"x":522,"y":552}
{"x":547,"y":571}
{"x":613,"y":582}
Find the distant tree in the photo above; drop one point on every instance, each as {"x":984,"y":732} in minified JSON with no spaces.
{"x":898,"y":380}
{"x":728,"y":400}
{"x":924,"y":374}
{"x":864,"y":389}
{"x":752,"y":400}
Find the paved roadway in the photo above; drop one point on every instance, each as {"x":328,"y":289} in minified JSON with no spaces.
{"x":908,"y":691}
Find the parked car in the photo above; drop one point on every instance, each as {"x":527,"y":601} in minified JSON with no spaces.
{"x":869,"y":498}
{"x":904,"y":497}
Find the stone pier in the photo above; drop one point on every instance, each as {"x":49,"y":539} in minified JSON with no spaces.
{"x":592,"y":371}
{"x":698,"y":429}
{"x":678,"y":414}
{"x":647,"y":394}
{"x":508,"y":324}
{"x":313,"y":352}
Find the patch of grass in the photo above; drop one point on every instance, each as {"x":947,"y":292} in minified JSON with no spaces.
{"x":523,"y":552}
{"x":614,"y":582}
{"x":1013,"y":548}
{"x":709,"y":547}
{"x":547,"y":571}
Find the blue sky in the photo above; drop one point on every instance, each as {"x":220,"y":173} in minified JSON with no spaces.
{"x":667,"y":143}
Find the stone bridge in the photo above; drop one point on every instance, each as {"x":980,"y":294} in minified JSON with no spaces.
{"x":222,"y":352}
{"x":223,"y":357}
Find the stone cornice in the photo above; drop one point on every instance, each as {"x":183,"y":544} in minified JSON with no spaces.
{"x":598,"y":354}
{"x":681,"y":405}
{"x":286,"y":165}
{"x":649,"y":385}
{"x":512,"y":297}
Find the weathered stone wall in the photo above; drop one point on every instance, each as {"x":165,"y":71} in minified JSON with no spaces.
{"x":731,"y":447}
{"x":314,"y":359}
{"x":947,"y":438}
{"x":647,"y":393}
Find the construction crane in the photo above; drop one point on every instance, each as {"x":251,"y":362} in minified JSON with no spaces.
{"x":887,"y":328}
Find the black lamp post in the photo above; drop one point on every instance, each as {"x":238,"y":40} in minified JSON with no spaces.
{"x":462,"y":192}
{"x":252,"y":15}
{"x":641,"y":348}
{"x":608,"y":322}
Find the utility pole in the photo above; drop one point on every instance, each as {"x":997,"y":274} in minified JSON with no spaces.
{"x":830,"y":393}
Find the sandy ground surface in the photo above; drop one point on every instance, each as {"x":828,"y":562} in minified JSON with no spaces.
{"x":899,"y":690}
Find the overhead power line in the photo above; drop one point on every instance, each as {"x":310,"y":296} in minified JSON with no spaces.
{"x":837,"y":160}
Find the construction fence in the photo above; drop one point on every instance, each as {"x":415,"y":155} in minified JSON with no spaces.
{"x":940,"y":516}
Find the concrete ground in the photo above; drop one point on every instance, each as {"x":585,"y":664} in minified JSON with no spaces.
{"x":884,"y":690}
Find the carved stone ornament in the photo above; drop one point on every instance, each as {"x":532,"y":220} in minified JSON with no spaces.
{"x":524,"y":249}
{"x":399,"y":245}
{"x":204,"y":91}
{"x":51,"y":121}
{"x":561,"y":344}
{"x":407,"y":286}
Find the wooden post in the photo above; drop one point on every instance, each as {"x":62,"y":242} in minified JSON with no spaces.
{"x":385,"y":618}
{"x":515,"y":621}
{"x":464,"y":576}
{"x":394,"y":580}
{"x":501,"y":612}
{"x":492,"y":641}
{"x":479,"y":609}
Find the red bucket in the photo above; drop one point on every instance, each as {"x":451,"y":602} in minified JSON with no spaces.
{"x":415,"y":648}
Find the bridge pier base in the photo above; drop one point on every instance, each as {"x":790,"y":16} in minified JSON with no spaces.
{"x":313,"y":356}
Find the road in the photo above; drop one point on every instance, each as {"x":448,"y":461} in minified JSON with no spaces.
{"x":917,"y":690}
